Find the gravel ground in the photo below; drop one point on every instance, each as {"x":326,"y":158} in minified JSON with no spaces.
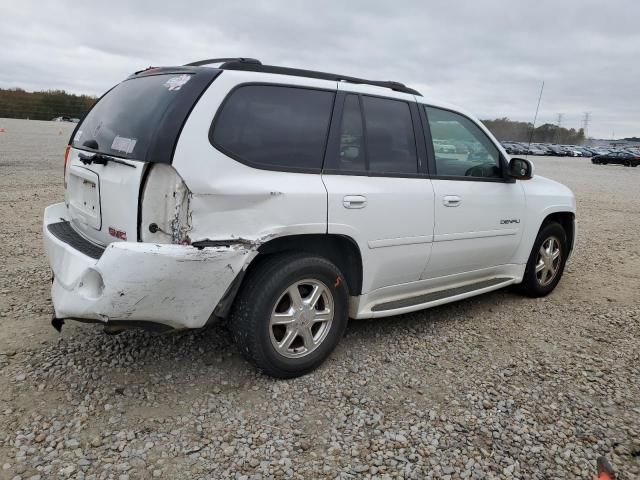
{"x":498,"y":386}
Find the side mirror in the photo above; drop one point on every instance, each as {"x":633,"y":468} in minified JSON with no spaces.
{"x":520,"y":169}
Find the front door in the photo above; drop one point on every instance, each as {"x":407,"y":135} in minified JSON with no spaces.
{"x":377,"y":193}
{"x":479,"y":212}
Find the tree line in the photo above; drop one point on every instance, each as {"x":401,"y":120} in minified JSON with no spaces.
{"x":505,"y":129}
{"x":47,"y":105}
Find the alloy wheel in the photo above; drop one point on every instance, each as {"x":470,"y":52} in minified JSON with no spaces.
{"x":548,"y":261}
{"x":301,"y":318}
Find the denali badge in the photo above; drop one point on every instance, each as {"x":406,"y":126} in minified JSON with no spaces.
{"x":508,"y":221}
{"x":117,"y":233}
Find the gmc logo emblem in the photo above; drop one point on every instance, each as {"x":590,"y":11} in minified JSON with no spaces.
{"x":117,"y":233}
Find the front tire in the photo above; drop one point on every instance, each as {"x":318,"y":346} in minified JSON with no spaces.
{"x":546,"y":261}
{"x":290,"y":314}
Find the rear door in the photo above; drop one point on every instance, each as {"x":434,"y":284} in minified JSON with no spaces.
{"x":134,"y":125}
{"x":377,"y":191}
{"x":479,"y":212}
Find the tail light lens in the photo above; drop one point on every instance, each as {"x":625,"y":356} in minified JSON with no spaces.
{"x":66,"y":159}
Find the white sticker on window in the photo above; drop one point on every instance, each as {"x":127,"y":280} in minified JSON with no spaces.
{"x":176,"y":83}
{"x":78,"y":136}
{"x":123,"y":144}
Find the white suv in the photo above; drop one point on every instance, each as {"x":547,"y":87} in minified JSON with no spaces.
{"x":286,"y":201}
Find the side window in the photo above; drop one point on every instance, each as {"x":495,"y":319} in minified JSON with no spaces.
{"x":391,"y":143}
{"x":274,"y":126}
{"x":351,"y":154}
{"x":461,"y":148}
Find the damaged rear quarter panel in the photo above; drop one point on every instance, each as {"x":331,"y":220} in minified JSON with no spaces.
{"x":230,"y":200}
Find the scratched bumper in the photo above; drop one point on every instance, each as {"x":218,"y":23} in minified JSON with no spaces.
{"x":174,"y":285}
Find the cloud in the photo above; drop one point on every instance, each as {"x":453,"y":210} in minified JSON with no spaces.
{"x":490,"y":57}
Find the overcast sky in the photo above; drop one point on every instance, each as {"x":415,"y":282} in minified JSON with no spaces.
{"x":487,"y":56}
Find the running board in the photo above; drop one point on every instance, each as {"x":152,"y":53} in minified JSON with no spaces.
{"x":465,"y":290}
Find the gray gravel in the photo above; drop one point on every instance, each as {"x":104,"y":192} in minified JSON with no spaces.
{"x":499,"y":386}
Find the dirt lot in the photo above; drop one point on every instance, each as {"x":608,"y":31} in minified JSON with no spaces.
{"x":499,"y":386}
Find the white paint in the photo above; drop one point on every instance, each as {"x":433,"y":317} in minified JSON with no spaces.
{"x":119,"y":187}
{"x":165,"y":203}
{"x":470,"y":236}
{"x":174,"y":285}
{"x":83,"y":187}
{"x":411,"y":243}
{"x":232,"y":200}
{"x":361,"y":307}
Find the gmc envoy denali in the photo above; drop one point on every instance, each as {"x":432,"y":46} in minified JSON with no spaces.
{"x":287,"y":201}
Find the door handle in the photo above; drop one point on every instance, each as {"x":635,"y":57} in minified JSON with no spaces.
{"x":354,"y":201}
{"x":451,"y":200}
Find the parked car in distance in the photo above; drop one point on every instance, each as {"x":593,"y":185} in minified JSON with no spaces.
{"x":545,"y":149}
{"x":584,"y":152}
{"x":536,"y":150}
{"x":442,"y":146}
{"x":618,"y":158}
{"x":572,"y":151}
{"x":557,"y":151}
{"x":514,"y":148}
{"x":287,"y":201}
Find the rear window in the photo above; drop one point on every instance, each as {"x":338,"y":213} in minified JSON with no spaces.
{"x":275,"y":127}
{"x":128,"y":120}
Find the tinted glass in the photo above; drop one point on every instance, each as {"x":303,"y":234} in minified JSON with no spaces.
{"x":275,"y":126}
{"x":351,"y":155}
{"x":461,"y":148}
{"x":125,"y":120}
{"x":391,"y":144}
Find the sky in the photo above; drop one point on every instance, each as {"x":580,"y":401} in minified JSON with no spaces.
{"x":488,"y":56}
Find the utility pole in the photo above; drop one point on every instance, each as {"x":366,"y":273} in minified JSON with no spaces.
{"x":559,"y":122}
{"x":585,"y":124}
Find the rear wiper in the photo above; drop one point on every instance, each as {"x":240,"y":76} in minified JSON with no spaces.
{"x":100,"y":159}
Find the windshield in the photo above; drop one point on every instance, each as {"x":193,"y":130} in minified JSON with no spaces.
{"x":125,"y":121}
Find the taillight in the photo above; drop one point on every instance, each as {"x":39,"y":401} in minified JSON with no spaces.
{"x":66,"y":159}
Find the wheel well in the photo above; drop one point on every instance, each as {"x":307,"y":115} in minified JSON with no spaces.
{"x":341,"y":250}
{"x":566,"y":219}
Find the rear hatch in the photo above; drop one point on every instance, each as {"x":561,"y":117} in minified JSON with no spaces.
{"x":133,"y":126}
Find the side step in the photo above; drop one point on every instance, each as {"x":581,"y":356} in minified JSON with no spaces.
{"x":440,"y":294}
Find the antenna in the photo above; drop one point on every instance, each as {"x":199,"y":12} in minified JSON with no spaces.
{"x":533,"y":128}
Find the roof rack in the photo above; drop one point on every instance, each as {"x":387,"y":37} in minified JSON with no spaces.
{"x":259,"y":67}
{"x":200,"y":63}
{"x":253,"y":65}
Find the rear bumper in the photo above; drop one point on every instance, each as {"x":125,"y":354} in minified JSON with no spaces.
{"x":173,"y":285}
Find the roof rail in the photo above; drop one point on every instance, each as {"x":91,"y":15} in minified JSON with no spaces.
{"x":251,"y":65}
{"x":200,"y":63}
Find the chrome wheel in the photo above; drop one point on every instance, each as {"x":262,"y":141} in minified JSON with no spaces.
{"x":301,"y":318}
{"x":548,"y":261}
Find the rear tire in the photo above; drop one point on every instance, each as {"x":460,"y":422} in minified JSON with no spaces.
{"x":546,"y":261}
{"x":290,"y":314}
